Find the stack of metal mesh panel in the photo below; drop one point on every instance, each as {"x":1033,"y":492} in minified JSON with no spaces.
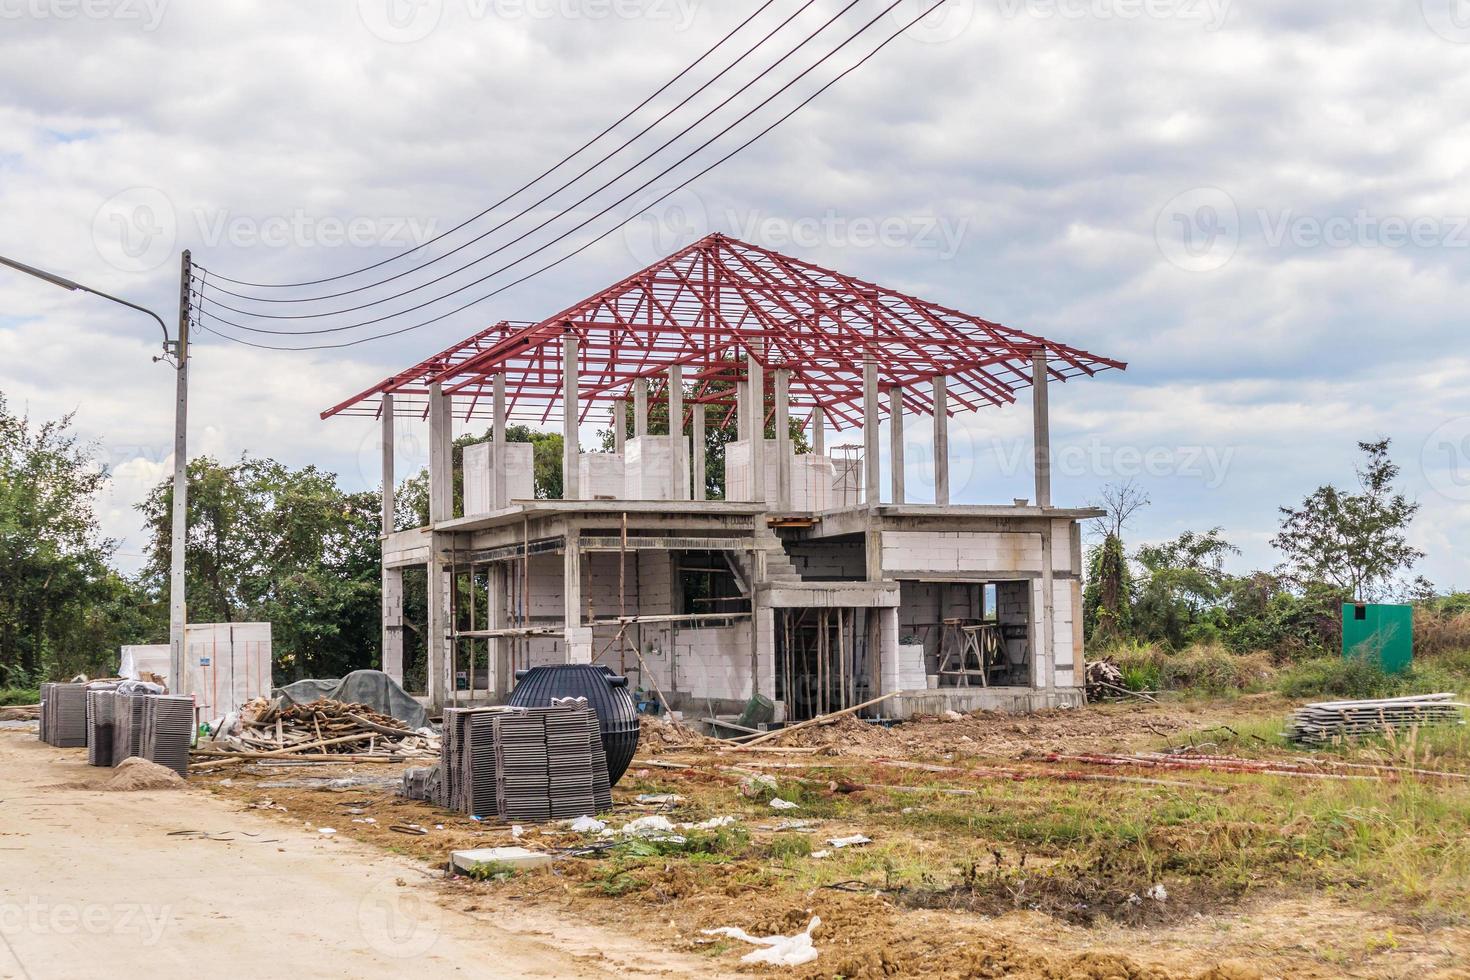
{"x":569,"y":762}
{"x":522,"y":771}
{"x":64,"y":715}
{"x":127,"y":725}
{"x":168,"y":731}
{"x":479,"y":784}
{"x":451,"y":762}
{"x":101,"y":714}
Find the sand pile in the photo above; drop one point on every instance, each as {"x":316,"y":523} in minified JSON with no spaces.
{"x":656,"y":735}
{"x":138,"y":774}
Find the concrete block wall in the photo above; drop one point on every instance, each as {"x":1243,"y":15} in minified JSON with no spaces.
{"x":479,"y":476}
{"x":600,"y":476}
{"x":813,"y":478}
{"x":847,"y":483}
{"x":713,"y":662}
{"x":829,"y":560}
{"x":961,"y":551}
{"x":649,"y":470}
{"x":923,"y":604}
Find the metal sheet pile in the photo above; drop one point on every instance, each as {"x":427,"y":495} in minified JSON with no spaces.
{"x":524,"y":764}
{"x":1328,"y":721}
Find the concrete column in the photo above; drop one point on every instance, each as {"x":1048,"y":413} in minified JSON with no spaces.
{"x":756,"y":414}
{"x":696,"y":436}
{"x":895,"y":442}
{"x":1042,"y":427}
{"x":783,"y":438}
{"x":441,"y":457}
{"x":578,"y":638}
{"x":498,"y":586}
{"x":676,"y":432}
{"x":742,"y":403}
{"x":620,"y":424}
{"x":941,"y":442}
{"x":497,"y":427}
{"x":437,"y":643}
{"x":393,"y":623}
{"x":819,"y":431}
{"x":1048,"y":660}
{"x":570,"y":449}
{"x":390,"y":485}
{"x":640,"y":408}
{"x":872,"y":465}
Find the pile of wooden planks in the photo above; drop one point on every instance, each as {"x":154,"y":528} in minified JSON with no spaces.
{"x":323,"y":728}
{"x":1328,"y":721}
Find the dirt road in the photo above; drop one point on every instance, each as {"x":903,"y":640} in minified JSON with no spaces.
{"x":99,"y":884}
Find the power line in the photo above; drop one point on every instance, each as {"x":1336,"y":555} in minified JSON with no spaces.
{"x":489,"y":275}
{"x":587,"y":197}
{"x":554,"y":167}
{"x":582,"y":248}
{"x":529,"y":208}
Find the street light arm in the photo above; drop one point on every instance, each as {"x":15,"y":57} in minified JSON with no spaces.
{"x":65,"y":283}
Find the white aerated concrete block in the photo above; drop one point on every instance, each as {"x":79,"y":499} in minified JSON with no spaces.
{"x":602,"y":476}
{"x":479,"y":476}
{"x":513,"y":857}
{"x":649,"y":473}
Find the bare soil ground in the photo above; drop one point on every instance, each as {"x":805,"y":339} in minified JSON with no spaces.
{"x":1032,"y":878}
{"x":182,"y":883}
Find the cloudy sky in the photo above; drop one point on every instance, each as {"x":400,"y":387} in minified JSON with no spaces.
{"x":1261,"y":206}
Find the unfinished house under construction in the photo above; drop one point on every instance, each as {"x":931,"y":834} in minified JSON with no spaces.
{"x":808,"y":580}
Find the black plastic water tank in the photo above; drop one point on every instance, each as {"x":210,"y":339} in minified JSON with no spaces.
{"x":606,"y":693}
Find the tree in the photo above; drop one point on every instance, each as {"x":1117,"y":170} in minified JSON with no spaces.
{"x":53,"y":556}
{"x":1183,"y":582}
{"x":1353,"y":541}
{"x":1106,"y":612}
{"x":285,"y":546}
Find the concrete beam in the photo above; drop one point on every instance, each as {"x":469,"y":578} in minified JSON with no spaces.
{"x":783,"y":438}
{"x":872,"y":465}
{"x":941,"y":442}
{"x":1041,"y":425}
{"x":571,"y":449}
{"x":895,"y":442}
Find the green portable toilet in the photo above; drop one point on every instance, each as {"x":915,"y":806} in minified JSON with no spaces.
{"x":1382,"y":632}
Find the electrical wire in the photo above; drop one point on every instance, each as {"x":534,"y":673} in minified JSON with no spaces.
{"x":661,"y":174}
{"x":562,"y":213}
{"x":582,"y":248}
{"x":554,"y":167}
{"x":530,"y":207}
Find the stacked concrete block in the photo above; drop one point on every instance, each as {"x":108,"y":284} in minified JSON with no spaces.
{"x":961,"y":551}
{"x":479,"y":476}
{"x":602,"y":476}
{"x":812,"y":479}
{"x":649,"y":473}
{"x":847,"y":483}
{"x":905,"y":671}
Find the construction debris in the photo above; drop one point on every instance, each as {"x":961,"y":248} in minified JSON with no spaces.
{"x":779,"y":950}
{"x":274,"y":728}
{"x":1328,"y":721}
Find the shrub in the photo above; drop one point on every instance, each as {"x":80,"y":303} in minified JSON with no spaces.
{"x":19,"y":695}
{"x":1347,"y":678}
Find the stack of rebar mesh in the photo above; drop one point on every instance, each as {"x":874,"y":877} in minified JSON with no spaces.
{"x":526,"y":764}
{"x":64,"y":715}
{"x":1329,"y":721}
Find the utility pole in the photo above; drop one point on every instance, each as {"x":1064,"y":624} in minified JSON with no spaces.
{"x":177,"y":608}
